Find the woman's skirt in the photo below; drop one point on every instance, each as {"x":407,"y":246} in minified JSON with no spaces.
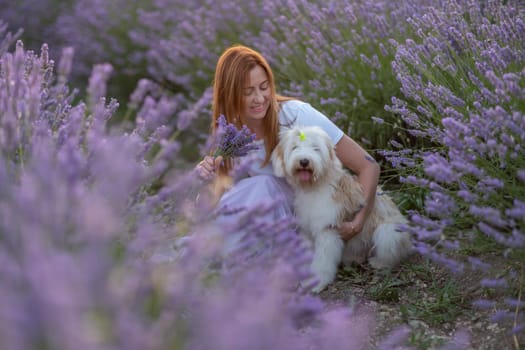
{"x":256,"y":205}
{"x":261,"y":202}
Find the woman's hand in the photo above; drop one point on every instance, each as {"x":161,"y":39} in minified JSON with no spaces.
{"x":207,"y":168}
{"x":349,"y":229}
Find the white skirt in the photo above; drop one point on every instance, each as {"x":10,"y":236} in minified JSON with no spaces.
{"x":257,"y":192}
{"x":252,"y":203}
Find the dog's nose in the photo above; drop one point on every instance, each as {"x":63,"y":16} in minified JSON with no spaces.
{"x":304,"y":162}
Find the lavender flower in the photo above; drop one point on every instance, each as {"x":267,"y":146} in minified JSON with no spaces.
{"x":98,"y":83}
{"x":378,"y":120}
{"x":232,"y":142}
{"x":6,"y":37}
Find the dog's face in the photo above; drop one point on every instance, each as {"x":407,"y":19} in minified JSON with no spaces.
{"x":304,"y":155}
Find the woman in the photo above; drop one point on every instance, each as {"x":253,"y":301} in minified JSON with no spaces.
{"x":244,"y":92}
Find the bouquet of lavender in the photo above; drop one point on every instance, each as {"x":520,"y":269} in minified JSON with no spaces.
{"x":231,"y":142}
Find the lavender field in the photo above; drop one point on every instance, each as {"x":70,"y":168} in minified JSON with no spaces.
{"x":105,"y":109}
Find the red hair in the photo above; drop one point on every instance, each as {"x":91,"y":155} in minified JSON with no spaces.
{"x":231,"y":74}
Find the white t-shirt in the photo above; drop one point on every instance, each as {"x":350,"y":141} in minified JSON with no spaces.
{"x":292,"y":113}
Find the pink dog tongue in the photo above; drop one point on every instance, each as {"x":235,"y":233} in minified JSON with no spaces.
{"x":304,"y":175}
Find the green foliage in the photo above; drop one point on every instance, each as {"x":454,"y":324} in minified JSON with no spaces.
{"x":387,"y":288}
{"x":443,"y":302}
{"x":420,"y":339}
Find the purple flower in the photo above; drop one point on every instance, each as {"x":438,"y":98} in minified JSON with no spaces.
{"x":517,"y":211}
{"x":98,"y":82}
{"x":378,"y":120}
{"x":478,"y":264}
{"x":187,"y":117}
{"x":232,"y":142}
{"x":494,"y":283}
{"x":437,"y":167}
{"x":484,"y":304}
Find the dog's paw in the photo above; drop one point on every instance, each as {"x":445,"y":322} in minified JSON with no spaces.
{"x":320,"y":287}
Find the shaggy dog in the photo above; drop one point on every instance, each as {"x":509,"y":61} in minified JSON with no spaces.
{"x":326,"y":195}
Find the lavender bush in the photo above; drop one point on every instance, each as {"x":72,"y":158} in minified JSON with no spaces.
{"x":463,"y":82}
{"x":184,"y":39}
{"x":175,"y":45}
{"x":100,"y":31}
{"x":304,"y":41}
{"x":37,"y":19}
{"x":337,"y":55}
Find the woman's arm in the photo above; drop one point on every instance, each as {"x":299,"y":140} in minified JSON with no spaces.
{"x":367,"y":170}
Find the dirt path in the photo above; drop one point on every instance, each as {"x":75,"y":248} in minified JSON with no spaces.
{"x":424,"y":297}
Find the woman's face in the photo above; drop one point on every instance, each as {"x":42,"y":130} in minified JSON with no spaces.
{"x":256,"y":94}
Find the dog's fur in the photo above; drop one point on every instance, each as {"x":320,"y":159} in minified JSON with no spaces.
{"x":326,"y":195}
